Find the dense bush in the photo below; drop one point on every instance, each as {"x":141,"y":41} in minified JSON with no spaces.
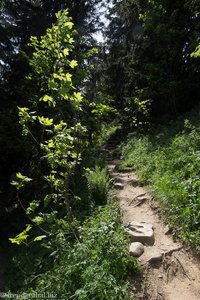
{"x":169,"y":161}
{"x":96,"y":266}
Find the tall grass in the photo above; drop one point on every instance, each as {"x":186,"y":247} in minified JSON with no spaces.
{"x":168,"y":160}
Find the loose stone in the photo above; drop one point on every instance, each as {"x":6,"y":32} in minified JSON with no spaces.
{"x":136,"y":249}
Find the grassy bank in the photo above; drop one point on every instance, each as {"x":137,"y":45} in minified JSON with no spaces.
{"x":168,"y":160}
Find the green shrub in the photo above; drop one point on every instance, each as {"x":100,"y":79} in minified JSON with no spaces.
{"x":98,"y":185}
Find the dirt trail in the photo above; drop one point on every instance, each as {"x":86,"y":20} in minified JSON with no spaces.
{"x":170,"y":272}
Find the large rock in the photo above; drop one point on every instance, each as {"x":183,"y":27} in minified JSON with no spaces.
{"x":141,"y":232}
{"x":136,"y":249}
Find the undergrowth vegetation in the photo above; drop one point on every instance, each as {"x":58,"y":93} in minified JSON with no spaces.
{"x":95,"y":267}
{"x":88,"y":259}
{"x":168,"y":160}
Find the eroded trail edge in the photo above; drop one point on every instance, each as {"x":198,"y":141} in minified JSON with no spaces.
{"x":170,"y":271}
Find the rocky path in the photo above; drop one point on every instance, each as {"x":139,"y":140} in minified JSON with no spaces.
{"x":170,"y":271}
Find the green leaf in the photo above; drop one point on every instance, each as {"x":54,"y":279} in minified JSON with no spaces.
{"x":21,"y":237}
{"x":20,"y":176}
{"x":45,"y":121}
{"x":59,"y":126}
{"x":78,"y":97}
{"x":51,"y":144}
{"x":196,"y":53}
{"x":48,"y":99}
{"x":69,"y":24}
{"x":39,"y":238}
{"x":66,"y":51}
{"x":38,"y":220}
{"x":22,"y":110}
{"x":32,"y":206}
{"x":69,"y":77}
{"x":58,"y":14}
{"x":21,"y":180}
{"x":73,"y":64}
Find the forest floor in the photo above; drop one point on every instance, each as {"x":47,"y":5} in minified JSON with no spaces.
{"x":170,"y":270}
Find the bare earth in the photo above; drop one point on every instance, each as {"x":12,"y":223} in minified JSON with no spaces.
{"x":170,"y":271}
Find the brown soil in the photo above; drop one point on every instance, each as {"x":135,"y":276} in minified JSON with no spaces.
{"x":170,"y":271}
